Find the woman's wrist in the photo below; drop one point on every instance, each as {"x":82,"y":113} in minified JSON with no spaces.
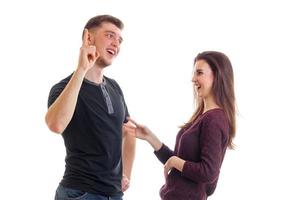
{"x":154,"y":141}
{"x":177,"y":163}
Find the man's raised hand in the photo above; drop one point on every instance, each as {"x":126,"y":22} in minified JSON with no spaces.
{"x":88,"y":53}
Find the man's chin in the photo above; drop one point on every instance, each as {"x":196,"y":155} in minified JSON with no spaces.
{"x":104,"y":63}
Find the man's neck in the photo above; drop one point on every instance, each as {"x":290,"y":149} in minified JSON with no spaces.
{"x":95,"y":75}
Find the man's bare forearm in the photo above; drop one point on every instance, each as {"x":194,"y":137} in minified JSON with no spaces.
{"x":128,"y":154}
{"x":61,"y":111}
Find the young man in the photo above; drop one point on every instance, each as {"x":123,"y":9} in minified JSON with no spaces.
{"x":89,"y":110}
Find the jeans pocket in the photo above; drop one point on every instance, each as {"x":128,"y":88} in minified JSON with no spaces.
{"x":75,"y":194}
{"x":64,"y":193}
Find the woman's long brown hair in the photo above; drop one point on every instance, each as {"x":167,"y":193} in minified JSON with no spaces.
{"x":223,"y":90}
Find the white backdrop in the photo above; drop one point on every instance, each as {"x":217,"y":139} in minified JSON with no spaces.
{"x":40,"y":41}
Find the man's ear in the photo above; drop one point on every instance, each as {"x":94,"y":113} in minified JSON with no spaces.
{"x":91,"y":38}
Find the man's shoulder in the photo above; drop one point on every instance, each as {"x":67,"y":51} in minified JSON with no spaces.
{"x":63,"y":81}
{"x":112,"y":82}
{"x":66,"y":80}
{"x":59,"y":86}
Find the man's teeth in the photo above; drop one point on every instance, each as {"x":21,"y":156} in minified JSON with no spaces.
{"x":111,"y":52}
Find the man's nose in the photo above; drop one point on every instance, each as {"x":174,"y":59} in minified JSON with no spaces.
{"x":116,"y":42}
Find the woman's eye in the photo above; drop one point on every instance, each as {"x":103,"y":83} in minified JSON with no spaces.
{"x":198,"y":73}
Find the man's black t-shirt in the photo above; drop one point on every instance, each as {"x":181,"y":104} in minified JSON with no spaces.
{"x":93,"y":138}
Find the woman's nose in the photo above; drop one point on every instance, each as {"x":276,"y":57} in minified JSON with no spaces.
{"x":193,"y":79}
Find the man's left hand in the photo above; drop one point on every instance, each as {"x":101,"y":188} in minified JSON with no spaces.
{"x":125,"y":183}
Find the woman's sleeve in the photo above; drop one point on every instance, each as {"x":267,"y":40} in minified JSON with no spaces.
{"x":212,"y":151}
{"x":164,"y":153}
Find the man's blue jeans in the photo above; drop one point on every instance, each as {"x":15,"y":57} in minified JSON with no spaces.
{"x":63,"y":193}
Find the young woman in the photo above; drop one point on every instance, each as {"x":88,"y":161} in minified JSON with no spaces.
{"x":193,"y":168}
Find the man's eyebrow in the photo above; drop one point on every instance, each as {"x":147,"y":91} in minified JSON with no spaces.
{"x":107,"y":31}
{"x":112,"y":32}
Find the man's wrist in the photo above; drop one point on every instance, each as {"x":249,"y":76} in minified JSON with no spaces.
{"x":125,"y":176}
